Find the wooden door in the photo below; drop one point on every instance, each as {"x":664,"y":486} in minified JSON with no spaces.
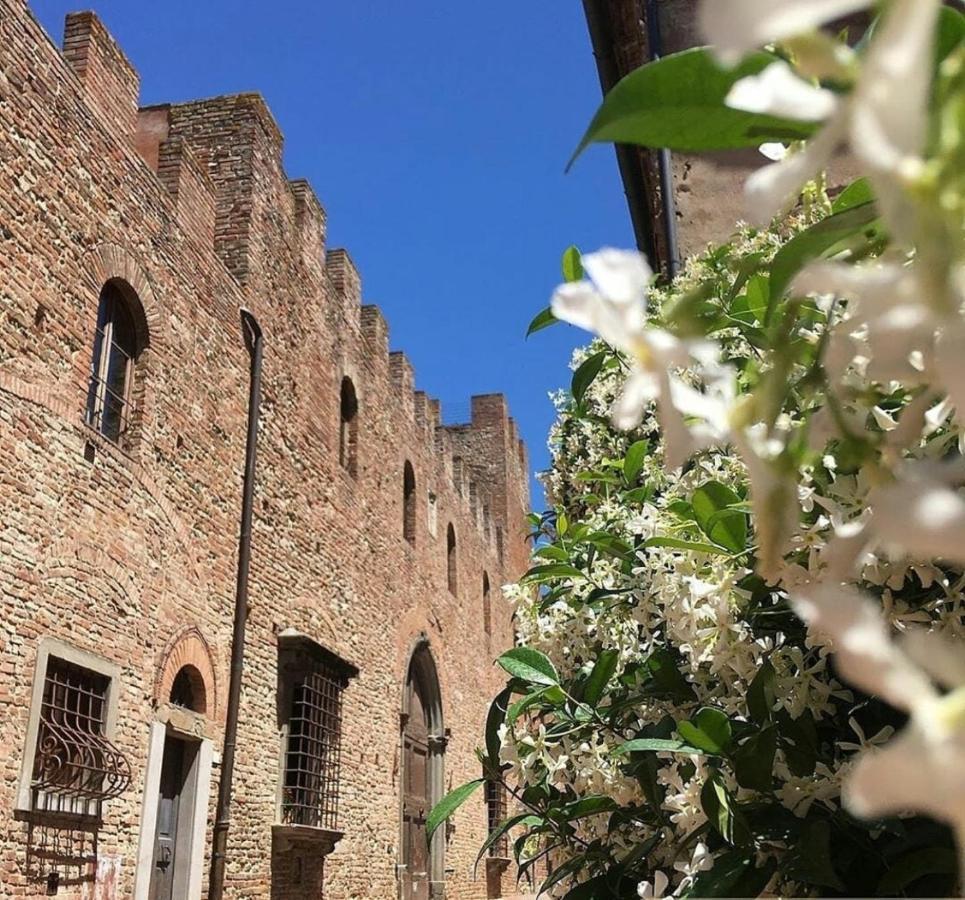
{"x":168,"y":808}
{"x":415,"y":800}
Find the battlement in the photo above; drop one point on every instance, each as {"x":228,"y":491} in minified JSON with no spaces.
{"x":218,"y":165}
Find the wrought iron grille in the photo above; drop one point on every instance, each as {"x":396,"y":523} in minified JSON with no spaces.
{"x":107,"y":393}
{"x":75,"y":765}
{"x":496,"y":813}
{"x":314,"y":749}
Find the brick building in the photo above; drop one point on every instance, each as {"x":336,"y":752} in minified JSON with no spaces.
{"x":128,"y":241}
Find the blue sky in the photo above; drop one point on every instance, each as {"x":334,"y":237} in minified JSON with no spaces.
{"x":435,"y":134}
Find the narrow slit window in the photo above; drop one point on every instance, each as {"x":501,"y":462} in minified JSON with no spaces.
{"x":408,"y":503}
{"x":348,"y":427}
{"x":487,"y":605}
{"x":112,"y":365}
{"x":451,"y":565}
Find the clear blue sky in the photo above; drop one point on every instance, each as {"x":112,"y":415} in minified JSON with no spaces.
{"x":435,"y":135}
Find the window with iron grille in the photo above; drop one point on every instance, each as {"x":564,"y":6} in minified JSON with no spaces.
{"x":312,"y":684}
{"x":75,"y":765}
{"x":112,"y":365}
{"x":496,"y":813}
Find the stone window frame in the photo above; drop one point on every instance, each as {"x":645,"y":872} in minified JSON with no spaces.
{"x":48,"y":647}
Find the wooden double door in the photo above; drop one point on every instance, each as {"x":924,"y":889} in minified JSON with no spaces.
{"x":417,"y":797}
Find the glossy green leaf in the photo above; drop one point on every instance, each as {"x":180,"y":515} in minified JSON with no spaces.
{"x":722,"y":812}
{"x":951,"y":33}
{"x":679,"y":544}
{"x":760,"y":694}
{"x":495,"y":718}
{"x":726,"y":527}
{"x":855,"y":194}
{"x":907,"y":869}
{"x":633,"y":461}
{"x":809,"y":859}
{"x":751,"y":306}
{"x":553,"y":570}
{"x":813,"y":243}
{"x":529,"y":665}
{"x":542,"y":320}
{"x":585,"y":375}
{"x":734,"y":874}
{"x":449,"y":804}
{"x":523,"y":819}
{"x":572,"y":265}
{"x":678,"y":102}
{"x":603,"y":669}
{"x":754,"y":761}
{"x":657,"y":745}
{"x":709,"y":729}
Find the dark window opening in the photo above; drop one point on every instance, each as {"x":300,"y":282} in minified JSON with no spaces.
{"x":451,"y":568}
{"x":496,"y":813}
{"x":188,"y":691}
{"x":112,"y":365}
{"x":408,"y":503}
{"x":348,"y":428}
{"x":487,"y":605}
{"x":312,"y":683}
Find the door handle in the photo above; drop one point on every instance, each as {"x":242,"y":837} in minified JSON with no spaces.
{"x":164,"y":858}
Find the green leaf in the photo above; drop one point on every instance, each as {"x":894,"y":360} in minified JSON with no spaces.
{"x":449,"y":804}
{"x":709,"y":729}
{"x":634,"y":460}
{"x":542,"y":320}
{"x":594,"y":889}
{"x":678,"y":544}
{"x":909,"y":868}
{"x":760,"y":694}
{"x":603,"y":669}
{"x":529,"y":665}
{"x":799,"y":742}
{"x":951,"y":33}
{"x":727,"y":528}
{"x":855,"y":194}
{"x":518,"y":707}
{"x":734,"y":874}
{"x":667,"y":677}
{"x":495,"y":718}
{"x":678,"y":102}
{"x":656,"y":745}
{"x":584,"y":376}
{"x":525,"y":819}
{"x":723,"y":813}
{"x":572,"y":264}
{"x":553,"y":570}
{"x":585,"y":806}
{"x":809,"y":860}
{"x":750,"y":307}
{"x":754,"y":761}
{"x":813,"y":243}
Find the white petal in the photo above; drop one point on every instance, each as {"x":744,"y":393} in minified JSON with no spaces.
{"x":923,"y":517}
{"x":886,"y":421}
{"x":622,"y":276}
{"x":576,"y":303}
{"x":890,"y":116}
{"x":640,"y":389}
{"x":864,"y":653}
{"x":777,"y":91}
{"x":911,"y":774}
{"x":738,"y":26}
{"x":773,"y":150}
{"x":773,"y":188}
{"x":885,"y":284}
{"x":937,"y":654}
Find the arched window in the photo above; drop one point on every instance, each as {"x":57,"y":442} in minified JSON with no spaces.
{"x":451,"y":559}
{"x":408,"y":503}
{"x":348,"y":428}
{"x":487,"y":607}
{"x":116,"y":349}
{"x":188,"y":691}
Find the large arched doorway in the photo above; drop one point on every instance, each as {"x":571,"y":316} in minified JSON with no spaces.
{"x":423,"y":758}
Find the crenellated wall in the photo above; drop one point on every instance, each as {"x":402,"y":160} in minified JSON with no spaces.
{"x":129,"y":553}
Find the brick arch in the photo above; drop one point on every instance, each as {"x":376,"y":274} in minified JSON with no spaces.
{"x":112,"y":262}
{"x":187,"y":647}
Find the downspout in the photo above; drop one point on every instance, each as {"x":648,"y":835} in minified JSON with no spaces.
{"x":668,"y":203}
{"x":253,"y":343}
{"x":628,"y":157}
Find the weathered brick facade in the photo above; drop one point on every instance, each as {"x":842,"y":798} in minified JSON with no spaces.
{"x":128,"y":553}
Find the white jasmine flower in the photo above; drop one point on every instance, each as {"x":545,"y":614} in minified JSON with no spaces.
{"x":613,"y":304}
{"x":773,"y":151}
{"x":923,"y":769}
{"x":652,"y":890}
{"x":735,"y":27}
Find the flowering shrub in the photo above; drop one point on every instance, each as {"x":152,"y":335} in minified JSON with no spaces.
{"x":740,"y":666}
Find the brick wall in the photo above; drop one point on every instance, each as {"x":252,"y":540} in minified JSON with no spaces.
{"x":130,"y":553}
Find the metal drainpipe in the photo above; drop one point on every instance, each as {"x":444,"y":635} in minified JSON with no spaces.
{"x":664,"y":160}
{"x":253,"y":343}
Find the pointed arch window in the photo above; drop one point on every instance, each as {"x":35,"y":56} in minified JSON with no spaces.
{"x":451,"y":567}
{"x":348,"y":427}
{"x":408,"y":502}
{"x":116,"y":349}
